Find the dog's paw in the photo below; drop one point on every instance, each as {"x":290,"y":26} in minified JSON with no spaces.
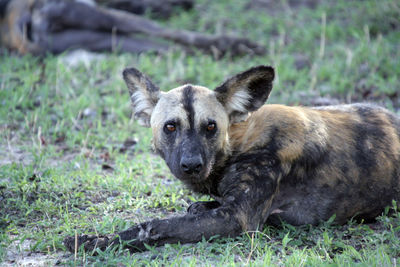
{"x":202,"y":206}
{"x":89,"y":242}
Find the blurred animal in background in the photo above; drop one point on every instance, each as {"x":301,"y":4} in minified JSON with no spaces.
{"x":54,"y":26}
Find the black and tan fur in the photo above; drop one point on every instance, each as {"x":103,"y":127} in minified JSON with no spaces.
{"x":297,"y":164}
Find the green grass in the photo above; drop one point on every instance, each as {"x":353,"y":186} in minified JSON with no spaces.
{"x":62,"y":129}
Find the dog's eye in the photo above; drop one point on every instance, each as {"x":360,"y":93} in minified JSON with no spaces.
{"x":211,"y":126}
{"x":170,"y":127}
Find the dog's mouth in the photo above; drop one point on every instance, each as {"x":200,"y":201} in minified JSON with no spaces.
{"x":197,"y":177}
{"x":194,"y":177}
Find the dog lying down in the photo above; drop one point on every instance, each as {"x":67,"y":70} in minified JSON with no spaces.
{"x":261,"y":163}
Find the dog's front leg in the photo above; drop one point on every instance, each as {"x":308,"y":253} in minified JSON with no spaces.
{"x":241,"y":212}
{"x":186,"y":229}
{"x":246,"y":197}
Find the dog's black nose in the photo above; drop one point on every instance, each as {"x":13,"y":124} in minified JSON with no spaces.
{"x":192,"y":165}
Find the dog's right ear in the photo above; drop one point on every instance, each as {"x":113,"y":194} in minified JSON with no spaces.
{"x":144,"y":95}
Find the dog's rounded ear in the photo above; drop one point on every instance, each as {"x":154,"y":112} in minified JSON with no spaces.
{"x":245,"y":92}
{"x":144,"y":95}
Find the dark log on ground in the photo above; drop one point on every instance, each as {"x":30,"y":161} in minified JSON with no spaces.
{"x":41,"y":26}
{"x":156,"y":8}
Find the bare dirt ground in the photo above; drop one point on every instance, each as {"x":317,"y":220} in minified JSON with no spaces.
{"x":19,"y":254}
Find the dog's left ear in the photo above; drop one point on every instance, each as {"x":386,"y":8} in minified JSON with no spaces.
{"x":245,"y":92}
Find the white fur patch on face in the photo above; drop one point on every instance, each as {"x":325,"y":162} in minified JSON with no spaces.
{"x":239,"y":100}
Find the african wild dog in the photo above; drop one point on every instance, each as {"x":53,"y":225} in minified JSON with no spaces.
{"x":297,"y":164}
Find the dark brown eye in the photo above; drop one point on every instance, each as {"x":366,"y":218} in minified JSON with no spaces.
{"x":211,"y":126}
{"x":170,"y":127}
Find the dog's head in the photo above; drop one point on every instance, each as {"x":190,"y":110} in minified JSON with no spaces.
{"x":190,"y":123}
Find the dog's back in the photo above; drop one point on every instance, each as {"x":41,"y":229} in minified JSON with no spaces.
{"x":342,"y":160}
